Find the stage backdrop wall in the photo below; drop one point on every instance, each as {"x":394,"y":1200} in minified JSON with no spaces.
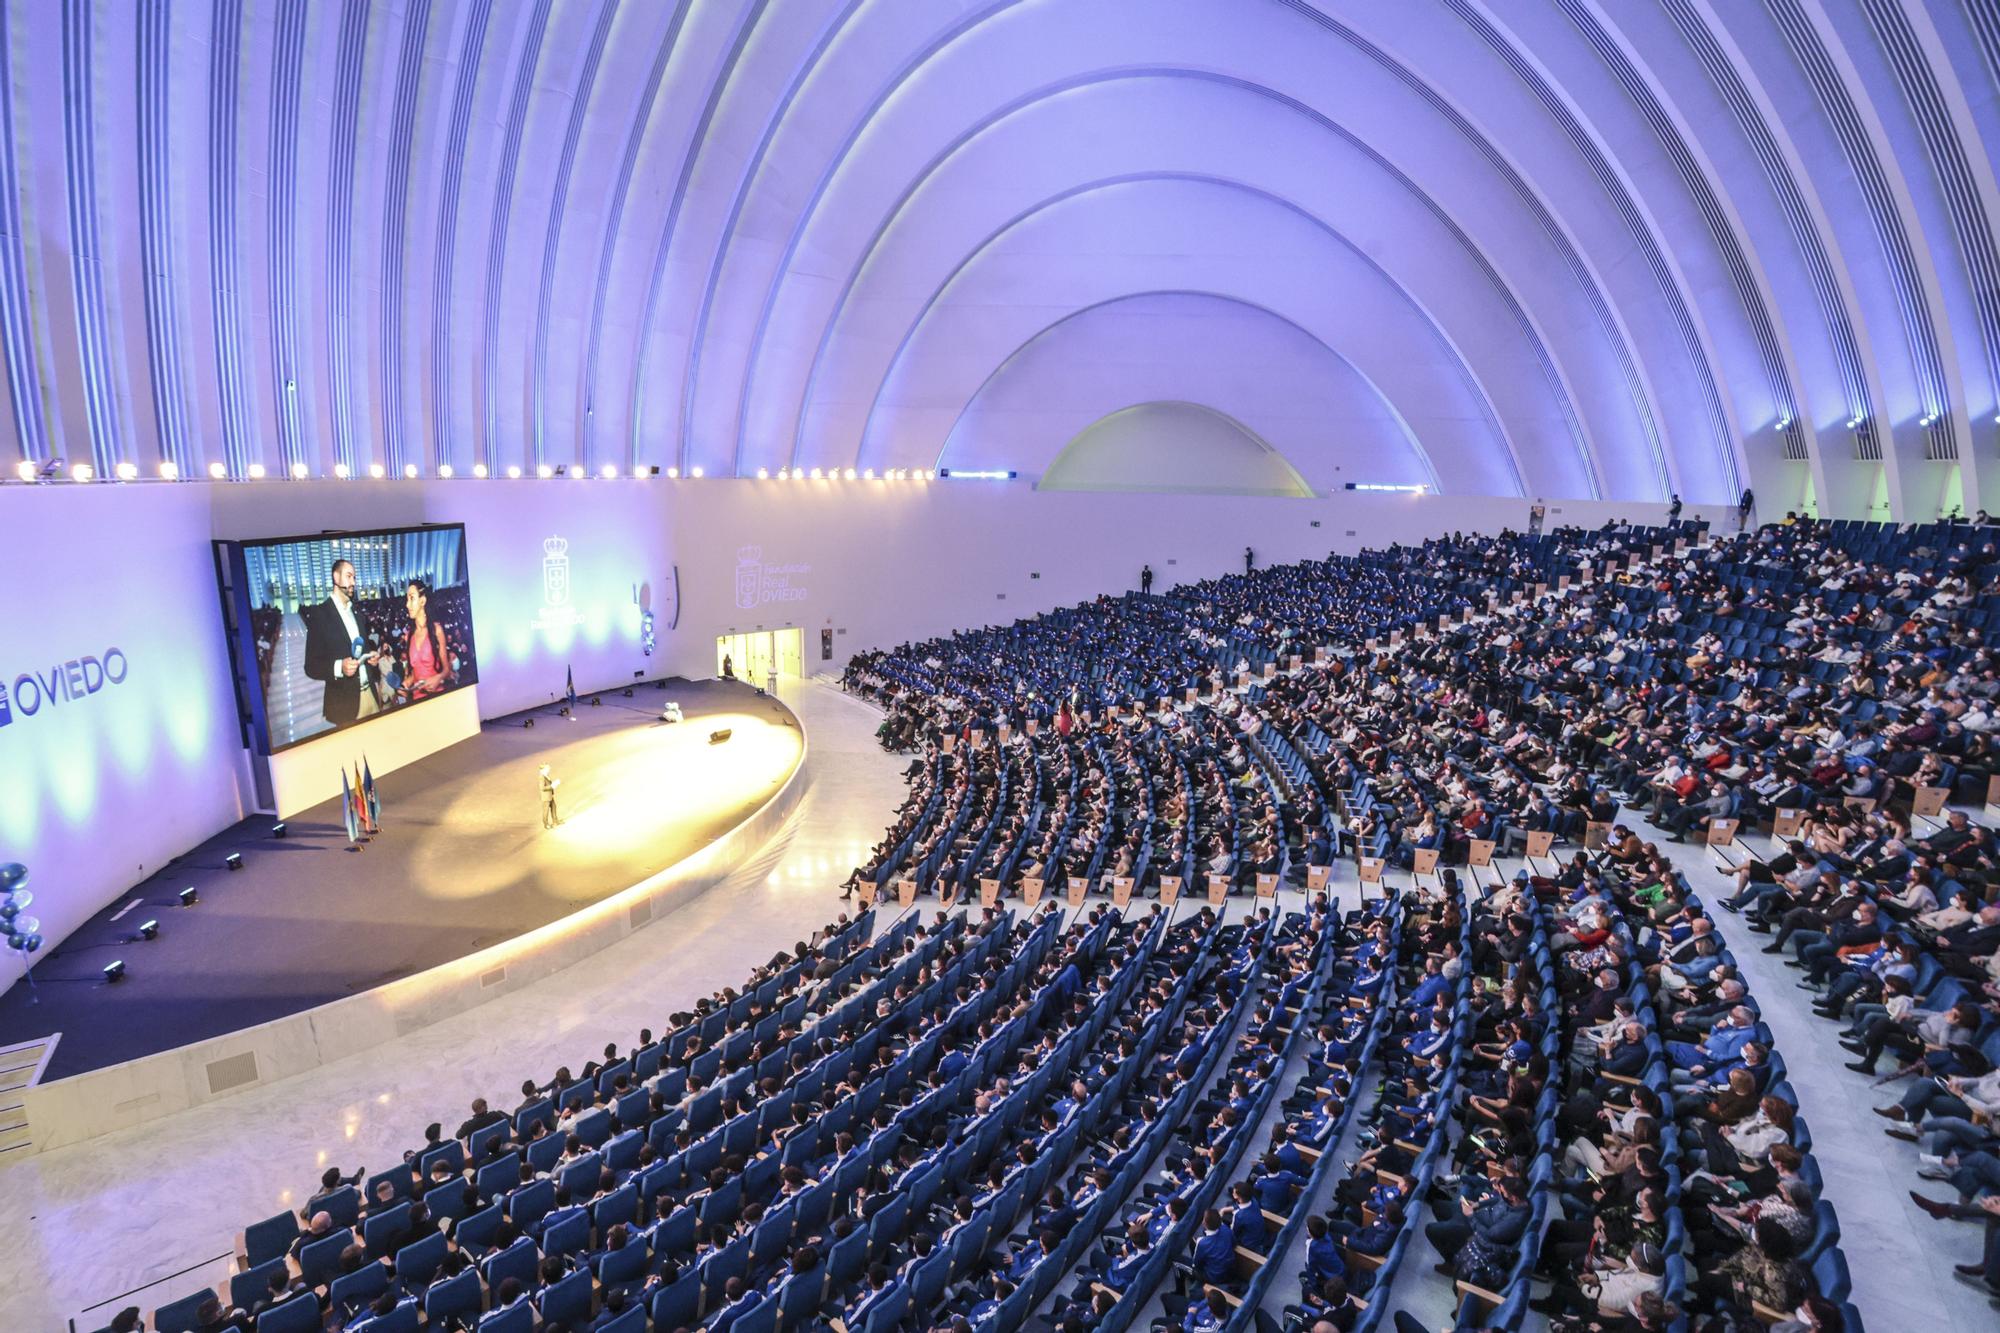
{"x":119,"y":746}
{"x":559,"y":569}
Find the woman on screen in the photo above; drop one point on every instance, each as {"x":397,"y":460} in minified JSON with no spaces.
{"x":429,"y":659}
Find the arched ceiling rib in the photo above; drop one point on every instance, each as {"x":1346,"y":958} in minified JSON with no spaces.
{"x":1680,"y":245}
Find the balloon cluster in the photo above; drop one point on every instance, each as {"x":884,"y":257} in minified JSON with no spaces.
{"x":20,"y":932}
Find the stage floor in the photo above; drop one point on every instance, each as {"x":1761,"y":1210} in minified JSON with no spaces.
{"x":462,"y":863}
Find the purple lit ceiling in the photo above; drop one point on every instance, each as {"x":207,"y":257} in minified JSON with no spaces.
{"x":1571,"y":248}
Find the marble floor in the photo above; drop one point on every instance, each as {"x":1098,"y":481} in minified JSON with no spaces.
{"x":159,"y":1207}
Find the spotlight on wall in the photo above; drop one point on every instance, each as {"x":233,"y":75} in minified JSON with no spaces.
{"x":868,"y":473}
{"x":513,"y":472}
{"x":409,"y":471}
{"x":190,"y":896}
{"x":444,"y":470}
{"x":128,"y":471}
{"x":672,"y":473}
{"x":233,"y":861}
{"x":342,"y":472}
{"x":114,"y":972}
{"x":816,"y":474}
{"x":149,"y":930}
{"x":479,"y":471}
{"x":299,"y":471}
{"x":25,"y":469}
{"x":256,"y":471}
{"x":850,"y":474}
{"x":377,"y":471}
{"x":763,"y":474}
{"x":694,"y":472}
{"x":278,"y":829}
{"x":580,"y":472}
{"x":544,"y":471}
{"x":217,"y":472}
{"x":784,"y":474}
{"x":170,"y":470}
{"x":82,"y":472}
{"x":640,"y":472}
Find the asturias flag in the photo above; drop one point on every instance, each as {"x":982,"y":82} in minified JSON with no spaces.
{"x":569,"y":686}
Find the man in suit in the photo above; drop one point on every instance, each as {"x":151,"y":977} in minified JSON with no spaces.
{"x":332,"y":631}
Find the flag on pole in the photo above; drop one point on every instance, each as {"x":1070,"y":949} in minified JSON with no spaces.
{"x":569,"y":686}
{"x":347,"y":809}
{"x":360,"y":803}
{"x":373,"y":803}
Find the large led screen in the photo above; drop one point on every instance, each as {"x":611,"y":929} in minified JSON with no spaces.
{"x":350,"y":626}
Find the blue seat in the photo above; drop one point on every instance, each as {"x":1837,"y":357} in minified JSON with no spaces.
{"x":300,"y":1314}
{"x":568,"y":1301}
{"x":352,"y":1291}
{"x":179,"y":1316}
{"x":624,"y":1267}
{"x":475,"y":1234}
{"x":271,"y":1238}
{"x":252,"y":1284}
{"x":383,"y":1228}
{"x":454,"y":1298}
{"x":679,"y":1304}
{"x":320,"y":1260}
{"x":520,"y":1260}
{"x":418,"y":1262}
{"x":569,"y":1236}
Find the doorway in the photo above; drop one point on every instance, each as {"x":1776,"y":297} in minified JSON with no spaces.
{"x":762,"y":654}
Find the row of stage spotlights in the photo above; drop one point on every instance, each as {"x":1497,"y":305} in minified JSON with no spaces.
{"x":55,"y":470}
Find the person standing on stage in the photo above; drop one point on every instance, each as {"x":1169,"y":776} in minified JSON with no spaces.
{"x":337,"y":653}
{"x":549,"y":816}
{"x":728,"y":668}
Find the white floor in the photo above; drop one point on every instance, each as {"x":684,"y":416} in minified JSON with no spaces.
{"x":86,"y":1225}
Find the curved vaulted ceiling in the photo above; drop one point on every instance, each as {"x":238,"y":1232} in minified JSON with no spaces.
{"x":1578,"y":248}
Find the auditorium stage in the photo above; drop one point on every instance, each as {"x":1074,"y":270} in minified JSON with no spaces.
{"x":462,"y":864}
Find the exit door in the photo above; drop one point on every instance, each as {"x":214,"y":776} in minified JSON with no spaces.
{"x":762,"y":654}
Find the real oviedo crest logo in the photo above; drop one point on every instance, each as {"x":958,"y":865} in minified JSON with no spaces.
{"x":555,"y":571}
{"x":557,"y":612}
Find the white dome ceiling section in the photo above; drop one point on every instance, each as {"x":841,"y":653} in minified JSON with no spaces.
{"x":1255,"y":367}
{"x":1469,"y":64}
{"x":1047,"y":48}
{"x":1198,"y":235}
{"x":1173,"y":123}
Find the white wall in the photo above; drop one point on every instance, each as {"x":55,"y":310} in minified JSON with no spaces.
{"x":98,"y":791}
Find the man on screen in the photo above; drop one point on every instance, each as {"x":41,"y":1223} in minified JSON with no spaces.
{"x":337,"y":653}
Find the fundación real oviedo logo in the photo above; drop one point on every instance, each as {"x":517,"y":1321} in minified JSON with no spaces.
{"x":27,"y":694}
{"x":758,"y":584}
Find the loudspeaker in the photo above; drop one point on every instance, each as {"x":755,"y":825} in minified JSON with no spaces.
{"x":718,"y":737}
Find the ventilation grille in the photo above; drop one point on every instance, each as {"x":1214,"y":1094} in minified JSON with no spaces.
{"x":488,"y":980}
{"x":231,"y":1072}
